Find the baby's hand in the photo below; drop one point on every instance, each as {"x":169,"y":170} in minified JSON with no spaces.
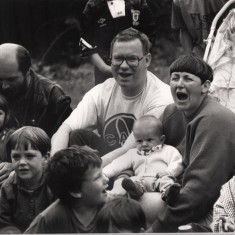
{"x":227,"y":226}
{"x":161,"y":174}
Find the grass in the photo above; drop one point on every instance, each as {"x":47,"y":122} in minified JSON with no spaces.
{"x":78,"y":80}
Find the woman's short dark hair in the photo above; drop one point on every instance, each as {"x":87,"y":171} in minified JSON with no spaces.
{"x":29,"y":136}
{"x":67,"y":168}
{"x":122,"y":213}
{"x":194,"y":65}
{"x":24,"y":59}
{"x":131,"y":34}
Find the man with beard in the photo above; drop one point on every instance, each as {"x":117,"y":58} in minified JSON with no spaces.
{"x":34,"y":100}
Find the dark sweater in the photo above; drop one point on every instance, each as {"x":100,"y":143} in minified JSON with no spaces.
{"x":207,"y":142}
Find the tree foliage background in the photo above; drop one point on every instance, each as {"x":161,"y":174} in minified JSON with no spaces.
{"x":50,"y":30}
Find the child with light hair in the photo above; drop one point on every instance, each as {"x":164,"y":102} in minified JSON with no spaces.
{"x":155,"y":164}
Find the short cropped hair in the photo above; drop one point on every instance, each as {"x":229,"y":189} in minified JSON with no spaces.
{"x":131,"y":34}
{"x":24,"y":59}
{"x":67,"y":168}
{"x":123,"y":213}
{"x":27,"y":136}
{"x":194,"y":65}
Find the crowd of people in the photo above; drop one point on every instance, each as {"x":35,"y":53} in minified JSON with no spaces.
{"x":136,"y":155}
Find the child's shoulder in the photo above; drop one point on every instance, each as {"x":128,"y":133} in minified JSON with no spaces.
{"x":170,"y":148}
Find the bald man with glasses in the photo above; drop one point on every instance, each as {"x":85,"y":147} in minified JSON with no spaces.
{"x":112,"y":106}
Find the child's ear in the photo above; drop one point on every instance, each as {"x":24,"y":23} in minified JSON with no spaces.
{"x":46,"y":156}
{"x":75,"y":194}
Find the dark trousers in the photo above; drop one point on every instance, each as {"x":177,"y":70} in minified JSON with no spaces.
{"x":83,"y":137}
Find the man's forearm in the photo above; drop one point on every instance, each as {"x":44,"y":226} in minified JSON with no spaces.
{"x":60,"y":139}
{"x":100,"y":64}
{"x":108,"y":158}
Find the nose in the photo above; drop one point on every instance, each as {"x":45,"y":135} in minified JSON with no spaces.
{"x":22,"y":161}
{"x":180,"y":82}
{"x":144,"y":143}
{"x":124,"y":64}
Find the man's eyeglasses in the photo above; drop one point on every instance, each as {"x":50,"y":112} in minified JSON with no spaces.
{"x":133,"y":62}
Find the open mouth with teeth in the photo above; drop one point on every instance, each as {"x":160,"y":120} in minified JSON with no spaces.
{"x":182,"y":96}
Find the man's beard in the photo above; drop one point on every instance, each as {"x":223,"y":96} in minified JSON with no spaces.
{"x":15,"y":93}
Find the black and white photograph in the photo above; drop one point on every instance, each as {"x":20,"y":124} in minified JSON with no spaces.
{"x":117,"y":116}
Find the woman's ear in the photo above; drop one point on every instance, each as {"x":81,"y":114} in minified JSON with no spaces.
{"x":206,"y":86}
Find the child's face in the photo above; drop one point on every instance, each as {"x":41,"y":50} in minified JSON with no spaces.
{"x":28,"y":165}
{"x":93,"y":189}
{"x":146,"y":137}
{"x":2,"y":118}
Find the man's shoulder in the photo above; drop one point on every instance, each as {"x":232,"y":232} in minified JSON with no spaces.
{"x":49,"y":90}
{"x":103,"y":88}
{"x":45,"y":82}
{"x":158,"y":88}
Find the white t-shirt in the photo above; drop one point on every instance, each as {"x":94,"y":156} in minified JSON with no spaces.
{"x":106,"y":109}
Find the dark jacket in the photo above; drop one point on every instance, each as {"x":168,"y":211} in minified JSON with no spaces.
{"x":207,"y":144}
{"x":19,"y":206}
{"x":45,"y":105}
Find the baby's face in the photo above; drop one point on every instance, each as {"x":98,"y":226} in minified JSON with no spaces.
{"x":146,"y":138}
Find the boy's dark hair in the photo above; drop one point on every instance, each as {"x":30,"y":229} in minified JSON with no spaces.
{"x":27,"y":136}
{"x":122,"y":213}
{"x":194,"y":65}
{"x":8,"y":122}
{"x":131,"y":34}
{"x":67,"y":168}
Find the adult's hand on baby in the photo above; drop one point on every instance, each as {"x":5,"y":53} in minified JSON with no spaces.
{"x":118,"y":190}
{"x":5,"y":169}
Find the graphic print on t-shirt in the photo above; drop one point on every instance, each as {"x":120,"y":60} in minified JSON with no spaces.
{"x":117,"y":128}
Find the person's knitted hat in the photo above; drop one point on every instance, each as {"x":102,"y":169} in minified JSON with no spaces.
{"x":194,"y":65}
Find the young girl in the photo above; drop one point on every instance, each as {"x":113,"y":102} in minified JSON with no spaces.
{"x":7,"y":126}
